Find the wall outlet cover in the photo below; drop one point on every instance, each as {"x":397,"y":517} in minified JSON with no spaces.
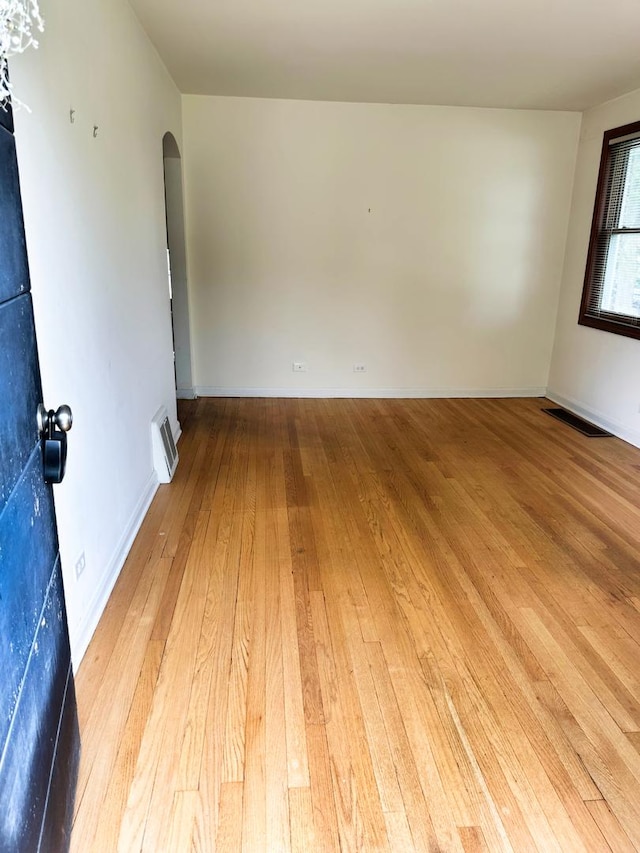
{"x":81,"y":564}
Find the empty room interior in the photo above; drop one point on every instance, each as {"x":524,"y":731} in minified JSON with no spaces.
{"x":346,"y":254}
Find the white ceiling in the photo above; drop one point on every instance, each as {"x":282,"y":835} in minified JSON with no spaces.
{"x":545,"y":54}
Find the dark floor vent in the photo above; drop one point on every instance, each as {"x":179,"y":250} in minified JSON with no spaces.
{"x":590,"y":430}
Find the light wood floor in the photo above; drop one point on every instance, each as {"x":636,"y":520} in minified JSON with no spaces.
{"x":372,"y":625}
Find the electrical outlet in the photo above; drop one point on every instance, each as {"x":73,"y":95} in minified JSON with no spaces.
{"x":81,"y":565}
{"x":299,"y":366}
{"x":359,"y":367}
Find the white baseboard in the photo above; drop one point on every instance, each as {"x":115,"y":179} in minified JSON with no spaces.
{"x":369,"y":393}
{"x":632,"y":436}
{"x":185,"y":394}
{"x":95,"y":609}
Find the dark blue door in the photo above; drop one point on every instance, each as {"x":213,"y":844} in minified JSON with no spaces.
{"x":39,"y":743}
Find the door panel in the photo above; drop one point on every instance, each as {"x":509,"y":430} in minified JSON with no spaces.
{"x":56,"y":824}
{"x":39,"y":743}
{"x":14,"y":272}
{"x":6,"y":119}
{"x":28,"y":550}
{"x":19,"y":383}
{"x":31,"y":748}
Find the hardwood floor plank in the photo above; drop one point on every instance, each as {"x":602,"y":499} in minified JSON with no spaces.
{"x":384,"y":768}
{"x":254,"y":758}
{"x":360,"y":823}
{"x":220,"y":608}
{"x":325,"y":820}
{"x":611,"y":762}
{"x":294,"y":715}
{"x":416,"y":806}
{"x":620,"y":655}
{"x":634,"y":739}
{"x":158,"y":761}
{"x":183,"y":820}
{"x":235,"y":729}
{"x":616,"y":837}
{"x":116,"y":697}
{"x":399,"y":832}
{"x":277,"y":833}
{"x":372,"y":625}
{"x":473,"y":840}
{"x":303,"y":837}
{"x":104,"y":827}
{"x":229,"y":837}
{"x":193,"y":741}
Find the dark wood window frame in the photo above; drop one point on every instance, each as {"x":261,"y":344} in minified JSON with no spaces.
{"x":591,"y":313}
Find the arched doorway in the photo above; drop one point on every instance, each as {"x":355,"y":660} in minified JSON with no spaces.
{"x":177,"y":266}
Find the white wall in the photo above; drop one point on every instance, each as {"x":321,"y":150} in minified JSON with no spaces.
{"x":595,"y":373}
{"x":94,"y":215}
{"x":425,"y":242}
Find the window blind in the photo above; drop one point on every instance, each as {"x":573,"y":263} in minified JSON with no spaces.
{"x":614,"y":269}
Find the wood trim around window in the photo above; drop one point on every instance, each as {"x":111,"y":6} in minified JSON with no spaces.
{"x":607,"y":322}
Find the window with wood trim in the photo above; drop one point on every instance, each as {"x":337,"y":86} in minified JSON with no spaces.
{"x":611,"y":294}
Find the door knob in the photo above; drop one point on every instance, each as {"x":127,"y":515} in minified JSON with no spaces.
{"x":53,"y":428}
{"x":62,"y":418}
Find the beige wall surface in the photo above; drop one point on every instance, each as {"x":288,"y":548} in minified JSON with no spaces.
{"x":593,"y":372}
{"x":96,"y":237}
{"x":423,"y":242}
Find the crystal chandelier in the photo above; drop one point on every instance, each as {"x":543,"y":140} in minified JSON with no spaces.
{"x":19,"y":19}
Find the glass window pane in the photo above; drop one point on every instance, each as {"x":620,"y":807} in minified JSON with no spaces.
{"x":621,"y":290}
{"x":630,"y":209}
